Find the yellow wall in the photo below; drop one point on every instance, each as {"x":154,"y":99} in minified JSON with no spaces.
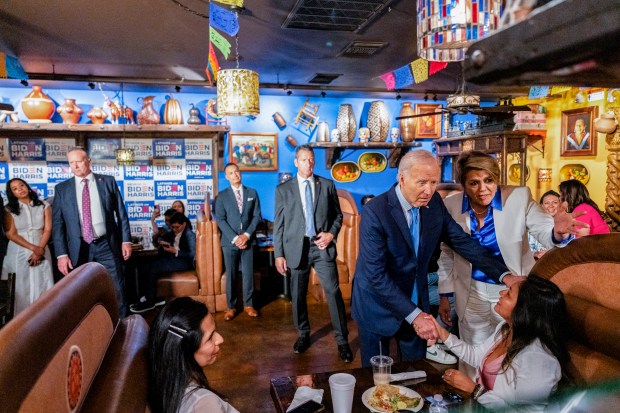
{"x":596,"y":165}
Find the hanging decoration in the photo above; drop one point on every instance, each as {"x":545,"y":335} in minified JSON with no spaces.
{"x":222,"y":19}
{"x":389,"y":80}
{"x":237,"y":3}
{"x":435,"y":67}
{"x":11,"y":68}
{"x":403,"y":77}
{"x":537,"y":92}
{"x":213,"y":66}
{"x":226,"y":21}
{"x":219,"y":42}
{"x":415,"y":72}
{"x":419,"y":68}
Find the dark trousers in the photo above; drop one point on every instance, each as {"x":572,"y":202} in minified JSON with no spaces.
{"x":100,"y":251}
{"x":328,"y":274}
{"x":411,"y":347}
{"x":232,"y":257}
{"x":158,"y":267}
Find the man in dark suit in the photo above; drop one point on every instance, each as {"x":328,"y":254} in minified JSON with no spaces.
{"x":399,"y":231}
{"x":307,"y":221}
{"x":237,"y":210}
{"x":90,"y":222}
{"x":177,"y":252}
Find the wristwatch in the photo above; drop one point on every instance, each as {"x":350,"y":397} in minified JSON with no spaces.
{"x":479,"y":390}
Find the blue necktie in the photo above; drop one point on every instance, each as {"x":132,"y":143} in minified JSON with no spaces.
{"x":310,"y":230}
{"x":415,"y":236}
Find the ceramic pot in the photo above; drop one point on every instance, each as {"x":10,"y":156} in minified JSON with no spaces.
{"x":148,"y":115}
{"x":97,"y":115}
{"x":345,"y":123}
{"x":37,"y":106}
{"x":70,"y":112}
{"x":378,"y":121}
{"x":606,"y":123}
{"x":194,"y":116}
{"x":322,"y":132}
{"x":407,"y":126}
{"x":279,"y":120}
{"x":173,"y":115}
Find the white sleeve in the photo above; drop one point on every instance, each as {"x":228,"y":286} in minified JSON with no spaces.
{"x":469,"y":353}
{"x":447,"y":275}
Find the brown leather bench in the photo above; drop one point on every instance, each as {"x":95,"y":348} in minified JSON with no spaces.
{"x":69,"y":352}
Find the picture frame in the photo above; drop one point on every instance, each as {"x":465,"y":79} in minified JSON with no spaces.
{"x":428,"y":126}
{"x":578,"y":137}
{"x":256,"y":152}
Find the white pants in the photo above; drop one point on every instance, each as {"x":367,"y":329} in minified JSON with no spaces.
{"x":479,"y":318}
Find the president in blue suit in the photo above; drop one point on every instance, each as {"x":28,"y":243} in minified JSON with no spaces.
{"x":90,"y":222}
{"x":399,"y":231}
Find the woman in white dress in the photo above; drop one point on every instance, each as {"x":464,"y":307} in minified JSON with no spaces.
{"x":28,"y":226}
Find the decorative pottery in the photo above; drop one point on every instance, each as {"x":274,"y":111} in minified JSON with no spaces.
{"x":345,"y":171}
{"x":514,"y":173}
{"x":291,"y":140}
{"x":335,"y":135}
{"x":148,"y":115}
{"x":322,"y":132}
{"x":37,"y":106}
{"x":97,"y":115}
{"x":407,"y":126}
{"x":394,"y":134}
{"x":371,"y":162}
{"x":173,"y":115}
{"x":70,"y":112}
{"x":378,"y":121}
{"x":364,"y":134}
{"x":606,"y":123}
{"x":575,"y":171}
{"x":279,"y":120}
{"x":345,"y":123}
{"x":194,"y":116}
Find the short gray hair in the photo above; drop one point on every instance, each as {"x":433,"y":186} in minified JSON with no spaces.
{"x":415,"y":157}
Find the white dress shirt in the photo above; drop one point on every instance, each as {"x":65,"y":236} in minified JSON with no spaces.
{"x":95,"y":204}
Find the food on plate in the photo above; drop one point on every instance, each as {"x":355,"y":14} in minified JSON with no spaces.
{"x":388,"y":398}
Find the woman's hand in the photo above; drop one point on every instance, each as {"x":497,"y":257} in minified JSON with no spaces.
{"x":35,"y":259}
{"x":444,"y":310}
{"x":442,"y":332}
{"x":458,"y":380}
{"x":38,"y":250}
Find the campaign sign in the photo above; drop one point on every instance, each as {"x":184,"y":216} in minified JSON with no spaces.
{"x":108,"y":168}
{"x":197,"y":189}
{"x":121,"y":188}
{"x":4,"y":149}
{"x":139,"y":191}
{"x":198,"y":148}
{"x":58,"y":172}
{"x":40,"y":189}
{"x":34,"y":172}
{"x":141,"y":229}
{"x":140,"y":170}
{"x":168,"y":169}
{"x":51,"y":190}
{"x":142,"y":148}
{"x":56,"y":148}
{"x":195,"y":209}
{"x":198,"y":169}
{"x":27,"y":149}
{"x":169,"y":190}
{"x":139,"y":211}
{"x":4,"y":172}
{"x":168,"y":148}
{"x":103,"y":148}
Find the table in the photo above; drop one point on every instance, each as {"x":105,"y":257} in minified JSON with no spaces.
{"x":283,"y":388}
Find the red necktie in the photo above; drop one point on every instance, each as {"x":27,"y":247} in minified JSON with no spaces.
{"x":87,"y":218}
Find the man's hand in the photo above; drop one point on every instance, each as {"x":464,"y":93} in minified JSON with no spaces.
{"x":126,"y":251}
{"x":425,"y":328}
{"x":242,"y":241}
{"x":565,"y":224}
{"x":64,"y":265}
{"x":323,"y":240}
{"x":444,"y":310}
{"x":511,"y":279}
{"x":281,"y":265}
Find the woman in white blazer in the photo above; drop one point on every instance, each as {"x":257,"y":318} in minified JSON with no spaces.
{"x":521,"y":364}
{"x":500,"y":218}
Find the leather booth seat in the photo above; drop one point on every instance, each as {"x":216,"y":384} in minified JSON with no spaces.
{"x":69,"y":352}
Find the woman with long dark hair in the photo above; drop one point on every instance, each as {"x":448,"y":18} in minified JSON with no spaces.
{"x":28,"y":226}
{"x":576,"y":195}
{"x":521,"y":364}
{"x":183,"y":341}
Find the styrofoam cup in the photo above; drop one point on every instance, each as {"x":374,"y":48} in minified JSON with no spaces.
{"x":342,"y":386}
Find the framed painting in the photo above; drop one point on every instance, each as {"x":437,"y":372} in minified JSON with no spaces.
{"x":428,"y":126}
{"x":578,"y":135}
{"x":253,"y":151}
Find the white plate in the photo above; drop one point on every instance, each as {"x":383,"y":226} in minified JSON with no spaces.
{"x":403,"y":390}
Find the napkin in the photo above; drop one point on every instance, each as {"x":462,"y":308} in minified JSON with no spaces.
{"x":418,"y":374}
{"x":305,"y":393}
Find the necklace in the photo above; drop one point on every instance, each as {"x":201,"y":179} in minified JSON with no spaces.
{"x":480,"y":213}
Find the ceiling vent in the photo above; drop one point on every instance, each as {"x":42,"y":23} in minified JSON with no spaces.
{"x":324,"y":78}
{"x":362,"y":49}
{"x":342,"y":16}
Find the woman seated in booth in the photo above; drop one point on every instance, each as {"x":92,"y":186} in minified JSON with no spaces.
{"x":179,"y":206}
{"x":183,"y":341}
{"x":520,"y":365}
{"x":550,"y":203}
{"x":577,"y":197}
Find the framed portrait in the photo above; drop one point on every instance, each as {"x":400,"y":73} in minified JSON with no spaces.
{"x":428,"y":126}
{"x":578,"y":135}
{"x":253,"y":151}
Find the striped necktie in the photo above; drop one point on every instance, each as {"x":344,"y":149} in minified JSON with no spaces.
{"x":239,"y":200}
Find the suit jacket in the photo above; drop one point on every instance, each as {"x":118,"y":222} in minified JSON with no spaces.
{"x":233,"y":223}
{"x":534,"y":375}
{"x":67,"y":231}
{"x":289,"y":224}
{"x":187,"y":245}
{"x":387,"y":264}
{"x":520,"y":214}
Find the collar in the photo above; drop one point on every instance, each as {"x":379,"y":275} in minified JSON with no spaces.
{"x":406,"y":206}
{"x":90,"y":178}
{"x":496,"y":202}
{"x":301,"y":180}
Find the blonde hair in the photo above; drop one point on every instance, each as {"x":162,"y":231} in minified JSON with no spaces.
{"x":480,"y":161}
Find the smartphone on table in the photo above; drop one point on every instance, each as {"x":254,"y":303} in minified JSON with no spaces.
{"x":308,"y":407}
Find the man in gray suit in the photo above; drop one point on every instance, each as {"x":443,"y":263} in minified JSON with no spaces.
{"x":90,"y":223}
{"x":307,"y":221}
{"x":237,"y":210}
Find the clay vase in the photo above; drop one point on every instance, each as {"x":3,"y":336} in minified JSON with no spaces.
{"x":378,"y":121}
{"x":345,"y":123}
{"x":97,"y":115}
{"x":70,"y":112}
{"x":148,"y":115}
{"x":407,"y":126}
{"x":37,"y":106}
{"x":322,"y":133}
{"x":606,"y":123}
{"x":194,"y":116}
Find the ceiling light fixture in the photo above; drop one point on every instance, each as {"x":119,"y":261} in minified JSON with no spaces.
{"x":24,"y":83}
{"x":426,"y":97}
{"x":323,"y":94}
{"x":435,"y":98}
{"x":124,"y":156}
{"x":445,"y":32}
{"x":177,"y":88}
{"x":91,"y":85}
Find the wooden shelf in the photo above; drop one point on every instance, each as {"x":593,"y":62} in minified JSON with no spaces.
{"x":333,"y":150}
{"x":56,"y":129}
